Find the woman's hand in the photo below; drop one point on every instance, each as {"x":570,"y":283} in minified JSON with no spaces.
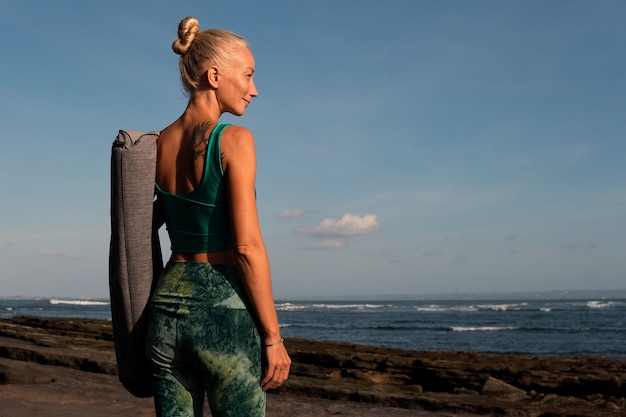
{"x":278,"y":364}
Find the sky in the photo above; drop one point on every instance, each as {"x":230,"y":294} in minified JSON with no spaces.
{"x":404,"y":147}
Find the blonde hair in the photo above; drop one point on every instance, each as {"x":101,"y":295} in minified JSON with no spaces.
{"x":198,"y":50}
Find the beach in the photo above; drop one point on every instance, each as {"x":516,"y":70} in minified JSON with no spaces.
{"x":66,"y":367}
{"x":76,"y":393}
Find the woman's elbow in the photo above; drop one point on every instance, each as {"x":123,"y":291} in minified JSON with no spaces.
{"x":249,"y":250}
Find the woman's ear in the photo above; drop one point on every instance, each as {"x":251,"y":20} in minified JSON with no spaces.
{"x":213,"y":76}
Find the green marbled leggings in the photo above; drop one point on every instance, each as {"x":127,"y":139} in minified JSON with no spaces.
{"x":202,"y":339}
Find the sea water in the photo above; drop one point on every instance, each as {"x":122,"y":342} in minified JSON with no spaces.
{"x":98,"y":308}
{"x":595,"y":326}
{"x":536,"y":327}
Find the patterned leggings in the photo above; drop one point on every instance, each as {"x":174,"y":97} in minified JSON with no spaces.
{"x":202,"y":339}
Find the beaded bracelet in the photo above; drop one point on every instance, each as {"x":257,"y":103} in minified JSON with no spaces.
{"x":281,"y":340}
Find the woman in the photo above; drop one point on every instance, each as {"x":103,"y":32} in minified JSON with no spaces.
{"x":213,"y":324}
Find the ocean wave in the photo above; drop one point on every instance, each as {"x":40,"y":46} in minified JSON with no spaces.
{"x":481,"y":328}
{"x":348,"y":306}
{"x":394,"y":328}
{"x":289,"y":307}
{"x":600,"y":304}
{"x":79,"y":302}
{"x":502,"y":307}
{"x":20,"y":298}
{"x":296,"y":307}
{"x":435,"y":308}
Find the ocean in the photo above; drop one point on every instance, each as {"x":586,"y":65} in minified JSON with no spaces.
{"x":560,"y":326}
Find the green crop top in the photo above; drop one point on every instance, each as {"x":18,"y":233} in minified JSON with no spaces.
{"x":199,"y":221}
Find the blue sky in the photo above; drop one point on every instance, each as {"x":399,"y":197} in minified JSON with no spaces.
{"x":405,"y":147}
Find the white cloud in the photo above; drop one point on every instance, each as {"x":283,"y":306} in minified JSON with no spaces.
{"x":348,"y":225}
{"x":290,"y":214}
{"x":327,"y":245}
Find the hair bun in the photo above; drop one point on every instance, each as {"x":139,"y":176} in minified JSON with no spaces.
{"x":188,"y":28}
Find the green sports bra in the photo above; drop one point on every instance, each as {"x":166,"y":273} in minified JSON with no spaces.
{"x":199,"y":221}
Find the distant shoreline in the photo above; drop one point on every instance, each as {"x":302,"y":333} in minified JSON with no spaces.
{"x":504,"y":295}
{"x":512,"y":295}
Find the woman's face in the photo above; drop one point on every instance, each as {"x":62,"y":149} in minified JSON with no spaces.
{"x":236,"y":87}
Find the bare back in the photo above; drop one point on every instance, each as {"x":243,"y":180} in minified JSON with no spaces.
{"x":181,"y":155}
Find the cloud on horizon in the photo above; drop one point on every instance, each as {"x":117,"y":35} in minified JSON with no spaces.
{"x":291,"y":214}
{"x":348,"y":225}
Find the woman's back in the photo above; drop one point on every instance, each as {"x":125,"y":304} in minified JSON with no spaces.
{"x":179,"y":167}
{"x":192,"y":188}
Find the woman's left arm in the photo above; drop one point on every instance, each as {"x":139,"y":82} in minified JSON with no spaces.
{"x":239,"y":161}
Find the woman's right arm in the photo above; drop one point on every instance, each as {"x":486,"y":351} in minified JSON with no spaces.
{"x":239,"y":161}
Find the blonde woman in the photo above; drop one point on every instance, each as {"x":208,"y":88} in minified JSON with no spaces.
{"x":213,"y":324}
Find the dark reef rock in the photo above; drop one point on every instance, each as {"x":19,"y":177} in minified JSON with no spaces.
{"x":459,"y":382}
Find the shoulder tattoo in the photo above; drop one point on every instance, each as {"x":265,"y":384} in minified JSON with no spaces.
{"x":201,"y":135}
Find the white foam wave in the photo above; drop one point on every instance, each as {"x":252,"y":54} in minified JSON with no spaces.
{"x":600,"y":304}
{"x":431,"y":308}
{"x":502,"y":307}
{"x":434,"y":308}
{"x":348,"y":306}
{"x":294,"y":307}
{"x":481,"y":328}
{"x":79,"y":302}
{"x":289,"y":307}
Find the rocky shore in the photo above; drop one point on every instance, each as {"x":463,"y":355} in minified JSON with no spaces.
{"x":47,"y":357}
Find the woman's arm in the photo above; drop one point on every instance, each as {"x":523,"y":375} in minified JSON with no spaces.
{"x":239,"y":162}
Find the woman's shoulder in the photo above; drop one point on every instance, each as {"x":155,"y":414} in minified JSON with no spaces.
{"x":236,"y":135}
{"x":237,"y":144}
{"x":236,"y":131}
{"x":172,"y":131}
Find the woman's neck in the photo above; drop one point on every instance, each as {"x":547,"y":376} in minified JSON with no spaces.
{"x":201,"y":107}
